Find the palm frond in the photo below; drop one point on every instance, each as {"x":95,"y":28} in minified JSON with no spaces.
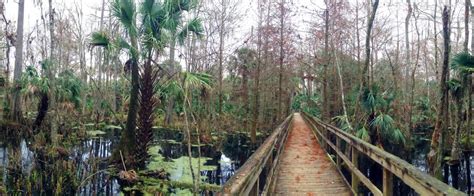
{"x":125,"y":12}
{"x":100,"y":39}
{"x":171,"y":88}
{"x":464,"y":62}
{"x":179,"y":5}
{"x":455,"y":87}
{"x":363,"y":134}
{"x":342,"y":122}
{"x":149,"y":8}
{"x":120,"y":43}
{"x":383,"y":122}
{"x":196,"y":80}
{"x":194,"y":26}
{"x":368,"y":99}
{"x":398,"y":136}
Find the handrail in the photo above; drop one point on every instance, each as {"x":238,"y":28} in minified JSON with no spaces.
{"x":422,"y":183}
{"x":245,"y":181}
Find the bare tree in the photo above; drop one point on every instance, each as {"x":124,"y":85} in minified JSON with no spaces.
{"x":17,"y":112}
{"x":365,"y":75}
{"x":435,"y":156}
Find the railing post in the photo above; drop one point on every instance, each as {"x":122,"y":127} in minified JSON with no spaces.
{"x":387,"y":183}
{"x":338,"y":158}
{"x":355,"y":161}
{"x":255,"y":189}
{"x":324,"y":135}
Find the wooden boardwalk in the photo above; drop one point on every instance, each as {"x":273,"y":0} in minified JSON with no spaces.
{"x":305,"y":167}
{"x":291,"y":162}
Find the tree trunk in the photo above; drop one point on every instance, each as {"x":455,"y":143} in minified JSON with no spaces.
{"x":17,"y":112}
{"x":128,"y":137}
{"x":407,"y":45}
{"x":52,"y":101}
{"x":435,"y":30}
{"x":144,"y":133}
{"x":341,"y":86}
{"x":436,"y":154}
{"x":245,"y":96}
{"x":413,"y":83}
{"x":326,"y":115}
{"x":407,"y":68}
{"x":221,"y":58}
{"x":365,"y":74}
{"x":282,"y":58}
{"x":256,"y":89}
{"x":469,"y":109}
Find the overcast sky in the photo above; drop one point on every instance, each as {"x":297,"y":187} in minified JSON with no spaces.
{"x":91,"y":11}
{"x":389,"y":12}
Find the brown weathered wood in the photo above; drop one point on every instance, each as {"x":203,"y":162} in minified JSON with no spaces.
{"x":244,"y":179}
{"x":305,"y":167}
{"x":275,"y":167}
{"x":255,"y":189}
{"x":422,"y":183}
{"x":292,"y":161}
{"x":387,"y":183}
{"x":354,"y":169}
{"x":338,"y":157}
{"x":352,"y":165}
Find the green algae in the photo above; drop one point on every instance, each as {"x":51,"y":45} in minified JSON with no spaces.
{"x":180,"y":177}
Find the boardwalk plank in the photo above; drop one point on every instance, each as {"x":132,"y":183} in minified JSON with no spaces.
{"x":305,"y":168}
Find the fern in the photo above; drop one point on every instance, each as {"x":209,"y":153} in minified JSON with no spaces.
{"x":363,"y":134}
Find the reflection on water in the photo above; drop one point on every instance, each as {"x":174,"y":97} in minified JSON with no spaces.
{"x":227,"y":168}
{"x":89,"y":159}
{"x":420,"y":161}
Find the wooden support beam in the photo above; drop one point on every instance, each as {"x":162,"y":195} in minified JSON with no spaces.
{"x":358,"y":175}
{"x":245,"y":181}
{"x":387,"y":183}
{"x":354,"y":179}
{"x":255,"y":189}
{"x":422,"y":183}
{"x":338,"y":157}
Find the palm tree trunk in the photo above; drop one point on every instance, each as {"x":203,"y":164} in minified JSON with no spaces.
{"x":127,"y":139}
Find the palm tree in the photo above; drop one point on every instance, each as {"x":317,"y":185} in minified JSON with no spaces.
{"x":149,"y":33}
{"x":67,"y":91}
{"x":145,"y":40}
{"x":189,"y":82}
{"x":380,"y":125}
{"x":179,"y":30}
{"x":464,"y":64}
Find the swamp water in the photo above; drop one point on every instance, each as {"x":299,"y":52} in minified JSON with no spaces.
{"x":90,"y":168}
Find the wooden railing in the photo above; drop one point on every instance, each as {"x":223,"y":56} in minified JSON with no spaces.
{"x":262,"y":165}
{"x":420,"y":182}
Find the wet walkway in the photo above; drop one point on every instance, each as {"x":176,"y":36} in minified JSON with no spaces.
{"x":305,"y":168}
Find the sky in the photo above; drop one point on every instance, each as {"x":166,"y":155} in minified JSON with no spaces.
{"x":91,"y":10}
{"x":389,"y":10}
